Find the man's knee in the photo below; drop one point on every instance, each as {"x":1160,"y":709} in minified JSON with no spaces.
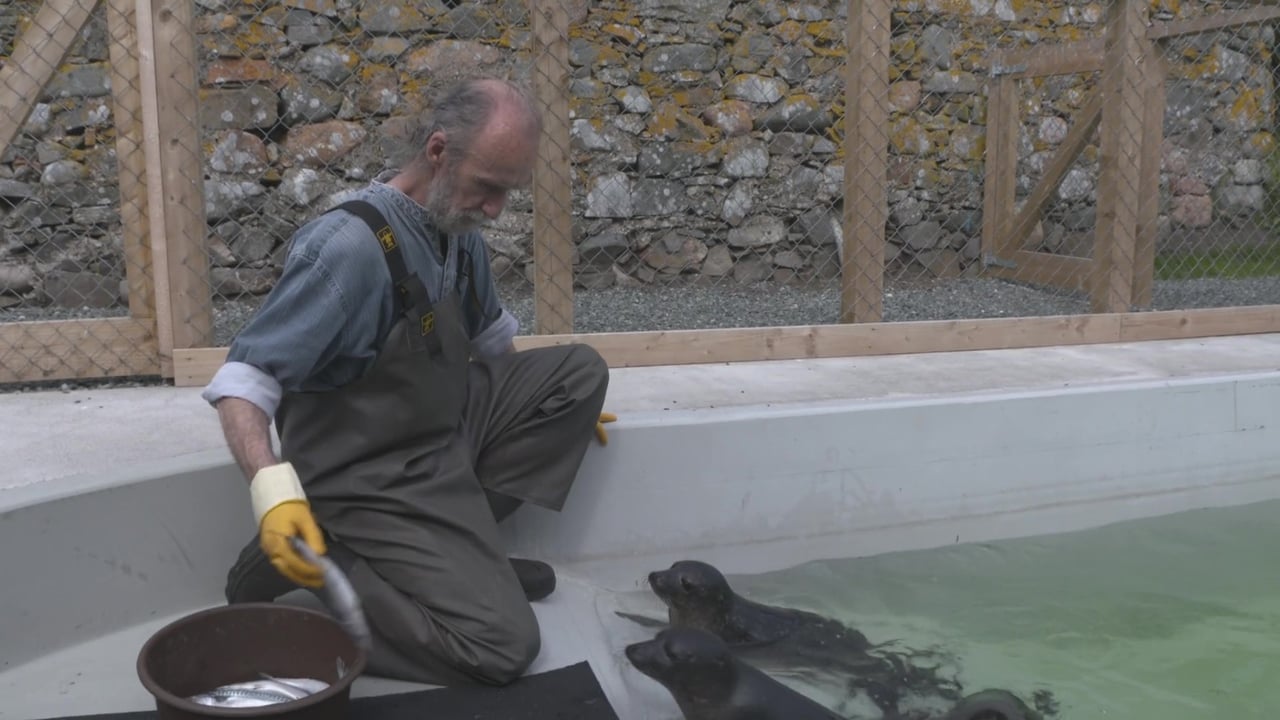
{"x":590,"y":367}
{"x":508,"y":649}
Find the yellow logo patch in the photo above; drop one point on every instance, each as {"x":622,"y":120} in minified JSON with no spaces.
{"x":387,"y":239}
{"x":428,"y":323}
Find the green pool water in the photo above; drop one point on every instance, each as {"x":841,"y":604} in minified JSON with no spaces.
{"x":1171,"y":618}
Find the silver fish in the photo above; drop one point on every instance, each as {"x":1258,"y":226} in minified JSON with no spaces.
{"x":260,"y":693}
{"x":338,"y":595}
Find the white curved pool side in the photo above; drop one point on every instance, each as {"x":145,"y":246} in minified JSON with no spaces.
{"x":121,"y":509}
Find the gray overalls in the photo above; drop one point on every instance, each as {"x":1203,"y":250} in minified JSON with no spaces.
{"x":400,"y":467}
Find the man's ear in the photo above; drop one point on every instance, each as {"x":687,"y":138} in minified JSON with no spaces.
{"x":433,"y":153}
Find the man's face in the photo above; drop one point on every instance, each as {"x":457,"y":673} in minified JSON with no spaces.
{"x":467,"y":190}
{"x":445,"y":206}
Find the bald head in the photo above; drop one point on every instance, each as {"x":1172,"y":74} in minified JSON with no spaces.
{"x":480,"y":143}
{"x":478,"y":108}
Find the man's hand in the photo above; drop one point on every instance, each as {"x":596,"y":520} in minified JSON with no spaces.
{"x":601,"y":435}
{"x":281,"y":510}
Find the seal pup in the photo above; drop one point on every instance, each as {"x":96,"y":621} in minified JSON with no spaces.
{"x":794,"y":642}
{"x":708,"y":682}
{"x":698,"y":595}
{"x":992,"y":704}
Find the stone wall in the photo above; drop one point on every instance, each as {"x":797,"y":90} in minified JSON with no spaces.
{"x":706,"y":133}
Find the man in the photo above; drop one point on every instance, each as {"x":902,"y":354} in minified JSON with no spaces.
{"x":408,"y":424}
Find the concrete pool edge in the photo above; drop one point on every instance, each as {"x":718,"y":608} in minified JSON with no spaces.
{"x":750,"y":486}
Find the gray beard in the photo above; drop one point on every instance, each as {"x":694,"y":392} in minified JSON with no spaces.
{"x":447,"y":220}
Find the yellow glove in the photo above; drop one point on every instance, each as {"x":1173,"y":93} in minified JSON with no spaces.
{"x":281,"y":510}
{"x":601,"y":435}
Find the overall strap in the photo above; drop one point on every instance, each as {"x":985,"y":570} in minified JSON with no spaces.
{"x":411,"y":295}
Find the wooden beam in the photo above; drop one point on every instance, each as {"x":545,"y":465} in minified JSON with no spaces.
{"x":1066,"y":272}
{"x":1119,"y":164}
{"x":76,"y":349}
{"x":1000,"y":185}
{"x":1155,"y":72}
{"x":175,"y":176}
{"x":1071,"y":147}
{"x":866,"y":162}
{"x":37,"y":55}
{"x":1069,"y":58}
{"x":552,"y":177}
{"x":1217,"y":21}
{"x":1209,"y":322}
{"x":131,"y":161}
{"x":196,"y":366}
{"x":154,"y":184}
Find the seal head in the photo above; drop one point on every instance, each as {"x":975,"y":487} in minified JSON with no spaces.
{"x":696,"y":667}
{"x":992,"y":704}
{"x":709,"y":683}
{"x":696,"y":595}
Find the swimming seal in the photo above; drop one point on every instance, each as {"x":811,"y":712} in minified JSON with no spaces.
{"x":992,"y":705}
{"x":709,"y":683}
{"x":697,"y":595}
{"x":791,"y":641}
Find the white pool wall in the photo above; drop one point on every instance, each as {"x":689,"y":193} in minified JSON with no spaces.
{"x":753,"y":466}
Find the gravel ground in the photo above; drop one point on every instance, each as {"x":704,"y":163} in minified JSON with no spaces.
{"x":618,"y":309}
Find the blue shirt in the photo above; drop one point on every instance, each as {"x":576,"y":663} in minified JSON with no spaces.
{"x":324,"y":321}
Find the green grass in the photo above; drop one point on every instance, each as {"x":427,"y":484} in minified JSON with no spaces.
{"x":1229,"y":262}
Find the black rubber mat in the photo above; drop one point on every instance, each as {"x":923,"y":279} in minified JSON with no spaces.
{"x":569,"y":693}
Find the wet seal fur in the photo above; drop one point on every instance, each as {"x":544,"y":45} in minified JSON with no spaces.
{"x":697,"y":595}
{"x":992,"y":705}
{"x":791,"y":640}
{"x":708,"y":682}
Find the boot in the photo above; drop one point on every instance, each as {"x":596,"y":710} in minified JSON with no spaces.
{"x":254,"y":579}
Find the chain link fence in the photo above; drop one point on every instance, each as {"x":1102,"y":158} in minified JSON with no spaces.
{"x":72,"y":194}
{"x":1218,"y":239}
{"x":698,"y":169}
{"x":1184,"y":111}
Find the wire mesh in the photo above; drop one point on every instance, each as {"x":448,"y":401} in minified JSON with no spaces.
{"x":73,"y":258}
{"x":705,"y":163}
{"x":1218,"y":241}
{"x":707,"y":135}
{"x":1139,"y":181}
{"x":303,"y":102}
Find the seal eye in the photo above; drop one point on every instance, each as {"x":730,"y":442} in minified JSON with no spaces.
{"x":686,"y":584}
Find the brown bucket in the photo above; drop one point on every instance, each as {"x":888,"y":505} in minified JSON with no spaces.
{"x":237,"y":643}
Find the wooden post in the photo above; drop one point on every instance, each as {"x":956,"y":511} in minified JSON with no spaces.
{"x":175,"y":177}
{"x":866,"y":150}
{"x":552,"y":177}
{"x":131,"y":161}
{"x":998,"y":187}
{"x":1120,"y":172}
{"x":1154,"y":73}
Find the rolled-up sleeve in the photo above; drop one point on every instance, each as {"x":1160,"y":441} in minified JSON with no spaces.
{"x":304,"y":323}
{"x":242,"y":380}
{"x":496,"y":338}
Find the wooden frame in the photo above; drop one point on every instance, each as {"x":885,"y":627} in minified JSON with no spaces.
{"x":74,"y":349}
{"x":184,"y":291}
{"x":1129,"y":107}
{"x":196,"y":366}
{"x":169,"y":329}
{"x":553,"y":175}
{"x":1120,"y":274}
{"x":866,"y":161}
{"x":99,"y":347}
